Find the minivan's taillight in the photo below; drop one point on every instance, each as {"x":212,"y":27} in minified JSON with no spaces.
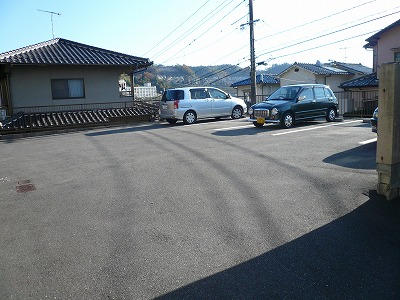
{"x":176,"y":104}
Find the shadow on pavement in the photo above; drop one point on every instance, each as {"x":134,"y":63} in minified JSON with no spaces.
{"x":361,"y":157}
{"x":125,"y":130}
{"x":153,"y":126}
{"x":355,"y":256}
{"x":251,"y":130}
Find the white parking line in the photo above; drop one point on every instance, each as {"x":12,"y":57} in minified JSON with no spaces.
{"x":211,"y":123}
{"x":235,"y":127}
{"x":315,"y":127}
{"x":368,"y":141}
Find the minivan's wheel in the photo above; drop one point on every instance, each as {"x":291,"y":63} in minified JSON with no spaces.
{"x":258,"y":125}
{"x":189,"y":117}
{"x":237,"y":112}
{"x":172,"y":121}
{"x":287,"y":120}
{"x":331,"y":115}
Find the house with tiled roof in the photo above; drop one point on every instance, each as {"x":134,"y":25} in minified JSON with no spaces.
{"x":266,"y":84}
{"x":332,"y":74}
{"x":386,"y":49}
{"x":61,"y":72}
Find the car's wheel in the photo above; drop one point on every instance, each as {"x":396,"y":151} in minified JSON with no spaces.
{"x":287,"y":120}
{"x":237,"y":112}
{"x":172,"y":121}
{"x":331,"y":115}
{"x":189,"y":117}
{"x":258,"y":125}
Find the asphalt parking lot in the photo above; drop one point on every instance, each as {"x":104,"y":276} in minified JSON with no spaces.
{"x":212,"y":210}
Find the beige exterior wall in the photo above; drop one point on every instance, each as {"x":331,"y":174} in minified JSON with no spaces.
{"x":334,"y":81}
{"x":265,"y":89}
{"x":302,"y":76}
{"x":384,"y":50}
{"x":31,"y":85}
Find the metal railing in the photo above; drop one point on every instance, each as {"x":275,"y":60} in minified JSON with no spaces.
{"x":259,"y":98}
{"x":80,"y":106}
{"x":357,"y":103}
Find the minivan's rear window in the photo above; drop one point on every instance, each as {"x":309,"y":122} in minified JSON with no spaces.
{"x":172,"y":95}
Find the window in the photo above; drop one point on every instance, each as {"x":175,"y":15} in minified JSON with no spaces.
{"x":285,"y":93}
{"x":308,"y":93}
{"x":328,"y":93}
{"x":319,"y":93}
{"x":217,"y":94}
{"x":397,"y":56}
{"x":172,"y":95}
{"x":198,"y":94}
{"x":67,"y":88}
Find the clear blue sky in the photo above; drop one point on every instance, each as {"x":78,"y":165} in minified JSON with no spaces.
{"x":134,"y":27}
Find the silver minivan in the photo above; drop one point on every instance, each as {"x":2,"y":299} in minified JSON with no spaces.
{"x":192,"y":103}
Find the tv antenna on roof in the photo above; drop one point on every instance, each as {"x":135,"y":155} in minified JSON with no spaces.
{"x":51,"y":17}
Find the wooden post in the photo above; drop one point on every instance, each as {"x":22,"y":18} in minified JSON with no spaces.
{"x":388,"y":147}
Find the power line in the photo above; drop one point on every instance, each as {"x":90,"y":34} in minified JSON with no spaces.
{"x":316,"y":20}
{"x":239,"y":19}
{"x":330,"y":33}
{"x":159,"y":43}
{"x":320,"y":46}
{"x":241,"y":70}
{"x":194,"y":27}
{"x":205,"y":31}
{"x":214,"y":42}
{"x":339,"y":26}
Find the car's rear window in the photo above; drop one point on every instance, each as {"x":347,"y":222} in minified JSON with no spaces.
{"x":172,"y":95}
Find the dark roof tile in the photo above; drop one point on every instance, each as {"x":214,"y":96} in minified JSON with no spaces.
{"x":65,"y":52}
{"x":262,"y":78}
{"x":369,"y":80}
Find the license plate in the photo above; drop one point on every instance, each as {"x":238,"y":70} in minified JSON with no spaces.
{"x":260,"y":120}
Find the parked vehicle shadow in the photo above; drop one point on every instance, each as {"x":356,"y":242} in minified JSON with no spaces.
{"x":251,"y":130}
{"x":355,"y":256}
{"x":361,"y":157}
{"x":125,"y":130}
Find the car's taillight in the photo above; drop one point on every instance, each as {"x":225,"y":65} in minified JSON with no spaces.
{"x":176,"y":104}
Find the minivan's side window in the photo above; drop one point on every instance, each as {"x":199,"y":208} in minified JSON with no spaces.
{"x":217,"y":94}
{"x":198,"y":94}
{"x":308,"y":92}
{"x":319,"y":93}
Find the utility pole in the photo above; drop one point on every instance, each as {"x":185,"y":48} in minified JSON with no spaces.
{"x":252,"y":56}
{"x":51,"y":17}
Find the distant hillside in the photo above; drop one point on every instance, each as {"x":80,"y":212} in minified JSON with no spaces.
{"x":276,"y":69}
{"x":164,"y":77}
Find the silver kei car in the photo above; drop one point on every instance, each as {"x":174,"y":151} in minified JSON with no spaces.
{"x":192,"y":103}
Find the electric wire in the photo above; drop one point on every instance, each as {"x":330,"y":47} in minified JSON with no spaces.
{"x":315,"y":20}
{"x":196,"y":26}
{"x":171,"y":32}
{"x":205,"y":31}
{"x":330,"y":33}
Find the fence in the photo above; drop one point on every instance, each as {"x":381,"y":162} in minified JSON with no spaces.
{"x":259,"y":98}
{"x":357,"y":103}
{"x":84,"y":106}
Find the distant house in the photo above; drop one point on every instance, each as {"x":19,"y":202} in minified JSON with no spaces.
{"x":332,"y":74}
{"x":146,"y":91}
{"x":265,"y":85}
{"x":386,"y":48}
{"x":62,"y":72}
